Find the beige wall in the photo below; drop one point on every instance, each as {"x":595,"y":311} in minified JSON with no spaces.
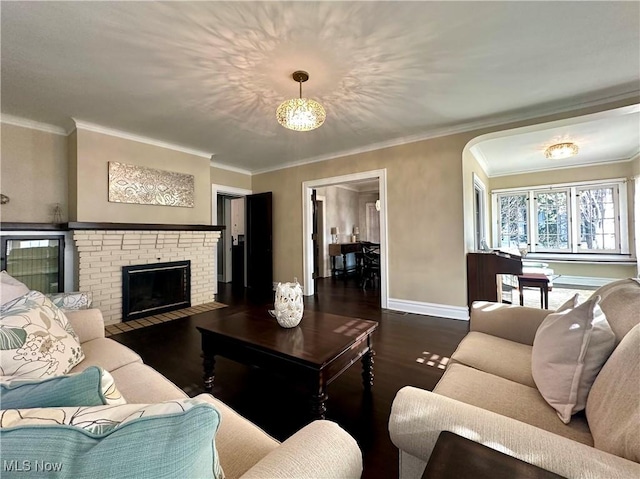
{"x":593,"y":270}
{"x":229,"y":178}
{"x":425,"y":216}
{"x":72,"y":147}
{"x":94,"y":152}
{"x":635,"y":166}
{"x":33,"y":170}
{"x":564,"y":175}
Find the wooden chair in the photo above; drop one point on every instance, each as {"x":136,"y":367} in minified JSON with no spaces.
{"x":370,"y":264}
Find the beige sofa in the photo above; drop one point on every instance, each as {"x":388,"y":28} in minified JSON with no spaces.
{"x":320,"y":450}
{"x":488,"y":394}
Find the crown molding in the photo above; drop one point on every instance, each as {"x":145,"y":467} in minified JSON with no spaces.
{"x":84,"y":125}
{"x":33,"y":125}
{"x":481,"y":159}
{"x":564,"y":167}
{"x":235,"y":169}
{"x":501,"y":120}
{"x":348,"y":187}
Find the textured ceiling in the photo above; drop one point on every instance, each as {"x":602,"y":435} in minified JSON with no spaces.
{"x":209,"y":75}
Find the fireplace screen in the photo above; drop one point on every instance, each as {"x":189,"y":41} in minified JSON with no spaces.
{"x":155,"y":288}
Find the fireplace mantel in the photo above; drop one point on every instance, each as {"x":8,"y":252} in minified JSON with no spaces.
{"x":71,"y":226}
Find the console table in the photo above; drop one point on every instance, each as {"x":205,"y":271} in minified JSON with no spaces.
{"x":343,"y":249}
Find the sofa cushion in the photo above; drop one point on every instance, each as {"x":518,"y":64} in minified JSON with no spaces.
{"x":11,"y":288}
{"x":498,"y":356}
{"x":613,"y":405}
{"x":508,"y":398}
{"x":568,"y":351}
{"x":139,"y":383}
{"x":92,"y":387}
{"x":621,"y":303}
{"x":166,"y":440}
{"x":36,"y":339}
{"x":106,"y":353}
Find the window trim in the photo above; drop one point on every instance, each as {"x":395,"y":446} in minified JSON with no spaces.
{"x":622,"y":224}
{"x":479,"y":186}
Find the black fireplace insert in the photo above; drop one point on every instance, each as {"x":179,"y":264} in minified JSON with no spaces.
{"x":155,"y":288}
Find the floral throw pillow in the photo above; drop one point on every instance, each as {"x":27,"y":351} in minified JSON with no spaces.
{"x":71,"y":301}
{"x":92,"y":387}
{"x":36,"y":339}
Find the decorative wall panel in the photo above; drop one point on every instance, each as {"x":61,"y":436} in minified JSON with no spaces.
{"x":148,"y":186}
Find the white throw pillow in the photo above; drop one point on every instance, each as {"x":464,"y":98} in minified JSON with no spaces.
{"x":569,"y":349}
{"x":36,"y":339}
{"x":569,"y":303}
{"x":11,"y":288}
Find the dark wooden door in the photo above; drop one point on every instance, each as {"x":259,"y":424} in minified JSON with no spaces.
{"x":259,"y":246}
{"x":316,"y":244}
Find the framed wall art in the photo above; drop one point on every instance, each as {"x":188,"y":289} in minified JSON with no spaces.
{"x":148,"y":186}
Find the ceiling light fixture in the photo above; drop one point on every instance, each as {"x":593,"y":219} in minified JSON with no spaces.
{"x":561,"y":150}
{"x":301,"y":114}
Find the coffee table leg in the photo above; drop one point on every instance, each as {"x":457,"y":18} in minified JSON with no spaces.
{"x":319,"y":400}
{"x":367,"y":369}
{"x":209,"y":363}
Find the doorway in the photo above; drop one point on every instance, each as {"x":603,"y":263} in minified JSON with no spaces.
{"x":307,"y":225}
{"x":227,"y":209}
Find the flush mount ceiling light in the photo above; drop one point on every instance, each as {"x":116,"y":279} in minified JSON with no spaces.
{"x":301,"y":114}
{"x":561,"y":150}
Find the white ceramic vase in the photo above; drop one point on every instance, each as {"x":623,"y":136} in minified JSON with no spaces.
{"x":288,"y":305}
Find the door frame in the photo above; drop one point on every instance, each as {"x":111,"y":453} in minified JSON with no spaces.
{"x":307,"y":227}
{"x":323,"y":227}
{"x":237,"y":192}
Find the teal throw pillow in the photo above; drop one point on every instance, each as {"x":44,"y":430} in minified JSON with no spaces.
{"x":92,"y":387}
{"x":173,"y":439}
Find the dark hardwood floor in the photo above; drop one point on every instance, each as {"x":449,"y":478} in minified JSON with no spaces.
{"x":409,"y":350}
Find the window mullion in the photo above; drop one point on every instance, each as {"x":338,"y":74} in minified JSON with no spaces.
{"x":574,"y":219}
{"x":533,"y":221}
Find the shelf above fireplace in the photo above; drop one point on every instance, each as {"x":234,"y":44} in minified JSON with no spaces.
{"x":6,"y":226}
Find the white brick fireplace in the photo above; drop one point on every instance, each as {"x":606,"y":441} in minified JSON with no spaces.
{"x":103,"y":252}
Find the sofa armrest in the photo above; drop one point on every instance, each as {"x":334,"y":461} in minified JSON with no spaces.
{"x":320,"y":450}
{"x":418,"y":417}
{"x":87,"y":323}
{"x":507,"y":321}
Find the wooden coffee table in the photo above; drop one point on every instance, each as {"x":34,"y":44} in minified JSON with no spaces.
{"x":315,"y":352}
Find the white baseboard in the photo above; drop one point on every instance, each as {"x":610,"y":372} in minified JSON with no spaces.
{"x":429,"y":309}
{"x":582,"y":281}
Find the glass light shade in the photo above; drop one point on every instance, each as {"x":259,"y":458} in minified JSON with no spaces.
{"x":561,"y":150}
{"x":301,"y":114}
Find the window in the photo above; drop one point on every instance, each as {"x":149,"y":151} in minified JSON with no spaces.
{"x":552,"y":220}
{"x":598,"y":218}
{"x":514,"y":225}
{"x":571,"y":218}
